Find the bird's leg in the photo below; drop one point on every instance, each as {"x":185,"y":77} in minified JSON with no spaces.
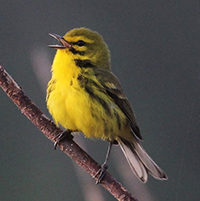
{"x":61,"y":136}
{"x":101,"y":172}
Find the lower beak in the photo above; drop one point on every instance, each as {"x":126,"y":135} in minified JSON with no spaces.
{"x":64,"y":44}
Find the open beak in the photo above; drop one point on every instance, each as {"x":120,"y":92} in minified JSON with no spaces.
{"x":63,"y":43}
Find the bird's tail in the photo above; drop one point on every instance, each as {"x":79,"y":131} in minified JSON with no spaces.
{"x":140,"y":162}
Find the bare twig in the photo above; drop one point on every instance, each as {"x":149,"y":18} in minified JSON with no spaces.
{"x":49,"y":129}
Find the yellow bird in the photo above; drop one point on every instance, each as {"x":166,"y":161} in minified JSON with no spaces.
{"x":84,"y":95}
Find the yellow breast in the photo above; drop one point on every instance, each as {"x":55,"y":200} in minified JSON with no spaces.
{"x":73,"y":107}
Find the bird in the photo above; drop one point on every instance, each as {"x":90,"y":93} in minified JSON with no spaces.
{"x":84,"y":95}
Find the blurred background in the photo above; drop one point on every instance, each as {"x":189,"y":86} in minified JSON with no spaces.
{"x":155,"y":53}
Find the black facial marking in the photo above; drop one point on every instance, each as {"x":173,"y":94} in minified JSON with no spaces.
{"x":86,"y":63}
{"x":74,"y":51}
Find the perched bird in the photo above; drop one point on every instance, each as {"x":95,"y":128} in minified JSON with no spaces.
{"x":84,"y":95}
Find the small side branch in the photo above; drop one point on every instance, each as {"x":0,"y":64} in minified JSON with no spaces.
{"x":49,"y":129}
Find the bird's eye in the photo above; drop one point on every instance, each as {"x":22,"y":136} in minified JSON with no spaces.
{"x":81,"y":43}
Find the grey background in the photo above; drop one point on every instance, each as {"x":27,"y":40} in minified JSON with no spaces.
{"x":155,"y":53}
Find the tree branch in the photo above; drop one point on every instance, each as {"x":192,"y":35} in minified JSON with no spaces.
{"x":49,"y":129}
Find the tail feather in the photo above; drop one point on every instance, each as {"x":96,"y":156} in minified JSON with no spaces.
{"x":140,"y":162}
{"x":134,"y":162}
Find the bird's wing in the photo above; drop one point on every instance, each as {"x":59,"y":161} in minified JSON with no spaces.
{"x":113,"y":88}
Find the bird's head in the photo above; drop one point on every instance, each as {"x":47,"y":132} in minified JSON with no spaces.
{"x":84,"y":44}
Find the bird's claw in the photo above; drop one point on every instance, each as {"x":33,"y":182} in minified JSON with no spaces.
{"x":63,"y":135}
{"x":101,"y":173}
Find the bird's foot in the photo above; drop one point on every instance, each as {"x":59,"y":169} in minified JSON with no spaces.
{"x":61,"y":136}
{"x":101,"y":173}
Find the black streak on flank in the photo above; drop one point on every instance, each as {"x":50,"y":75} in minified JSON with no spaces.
{"x":118,"y":119}
{"x":106,"y":107}
{"x":82,"y":81}
{"x":51,"y":87}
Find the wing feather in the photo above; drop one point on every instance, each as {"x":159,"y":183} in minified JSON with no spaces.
{"x":113,"y":88}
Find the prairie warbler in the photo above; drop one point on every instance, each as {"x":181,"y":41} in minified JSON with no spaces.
{"x":84,"y":95}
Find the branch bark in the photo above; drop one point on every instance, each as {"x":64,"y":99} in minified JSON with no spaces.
{"x":49,"y":129}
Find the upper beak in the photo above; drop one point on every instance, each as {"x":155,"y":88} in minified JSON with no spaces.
{"x":64,"y":44}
